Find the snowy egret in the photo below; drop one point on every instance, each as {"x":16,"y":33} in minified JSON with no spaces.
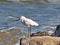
{"x":29,"y":23}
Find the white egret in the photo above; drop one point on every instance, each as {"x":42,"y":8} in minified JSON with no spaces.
{"x":29,"y":23}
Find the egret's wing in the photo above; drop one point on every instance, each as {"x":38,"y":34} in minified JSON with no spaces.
{"x":27,"y":23}
{"x":32,"y":23}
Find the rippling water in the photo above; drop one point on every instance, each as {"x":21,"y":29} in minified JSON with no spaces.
{"x":45,"y":14}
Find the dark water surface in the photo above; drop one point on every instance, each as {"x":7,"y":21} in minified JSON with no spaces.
{"x":45,"y":14}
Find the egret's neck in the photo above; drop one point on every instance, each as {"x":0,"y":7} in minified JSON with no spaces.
{"x":29,"y":26}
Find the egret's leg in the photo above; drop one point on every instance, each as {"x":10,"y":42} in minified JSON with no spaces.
{"x":29,"y":33}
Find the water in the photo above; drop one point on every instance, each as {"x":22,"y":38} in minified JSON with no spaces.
{"x":46,"y":15}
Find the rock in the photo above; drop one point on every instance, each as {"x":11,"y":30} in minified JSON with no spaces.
{"x":42,"y":40}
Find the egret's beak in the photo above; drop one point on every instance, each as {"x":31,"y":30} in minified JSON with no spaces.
{"x":18,"y":19}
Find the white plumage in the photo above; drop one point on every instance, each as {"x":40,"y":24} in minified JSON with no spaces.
{"x":28,"y":21}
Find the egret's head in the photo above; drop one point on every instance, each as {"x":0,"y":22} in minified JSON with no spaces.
{"x":22,"y":18}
